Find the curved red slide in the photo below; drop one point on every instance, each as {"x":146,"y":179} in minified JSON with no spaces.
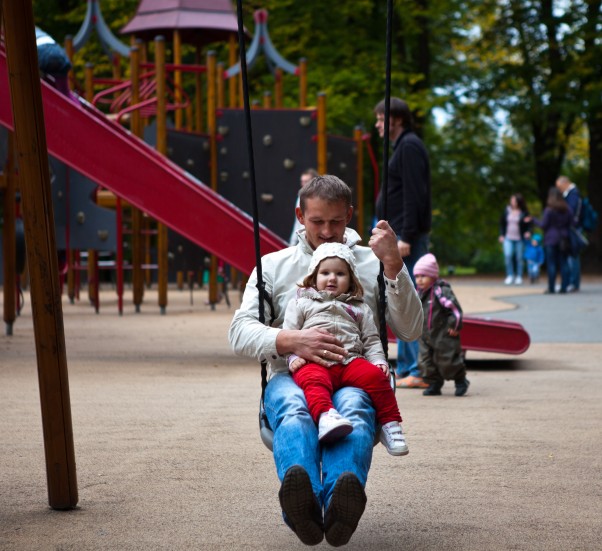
{"x":83,"y":138}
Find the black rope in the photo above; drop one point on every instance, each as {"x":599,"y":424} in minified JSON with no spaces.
{"x":245,"y":89}
{"x":384,"y":188}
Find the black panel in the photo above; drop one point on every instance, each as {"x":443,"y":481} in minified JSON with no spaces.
{"x":284,"y":146}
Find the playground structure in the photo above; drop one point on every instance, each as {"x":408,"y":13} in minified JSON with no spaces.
{"x":130,"y":169}
{"x":292,"y":140}
{"x":134,"y":192}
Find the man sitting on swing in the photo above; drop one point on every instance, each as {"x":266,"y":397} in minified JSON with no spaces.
{"x":314,"y":476}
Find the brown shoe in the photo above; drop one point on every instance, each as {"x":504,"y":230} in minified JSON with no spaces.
{"x":411,"y":382}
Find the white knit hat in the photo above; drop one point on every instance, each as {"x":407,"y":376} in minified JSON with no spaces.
{"x":427,"y":266}
{"x":329,"y":250}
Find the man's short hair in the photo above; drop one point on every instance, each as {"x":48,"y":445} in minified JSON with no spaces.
{"x":398,"y":109}
{"x":326,"y":187}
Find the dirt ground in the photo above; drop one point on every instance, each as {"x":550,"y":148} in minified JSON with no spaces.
{"x":169,"y":456}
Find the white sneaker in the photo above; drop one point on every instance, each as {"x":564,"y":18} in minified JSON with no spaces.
{"x":509,"y":280}
{"x":333,"y":426}
{"x":518,"y":280}
{"x":392,"y":438}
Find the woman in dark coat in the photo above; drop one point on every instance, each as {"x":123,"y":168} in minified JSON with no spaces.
{"x":556,"y":223}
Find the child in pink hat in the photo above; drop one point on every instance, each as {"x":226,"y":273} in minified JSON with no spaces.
{"x":440,"y":354}
{"x":331,"y":298}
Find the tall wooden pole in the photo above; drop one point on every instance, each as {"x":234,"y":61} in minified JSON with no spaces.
{"x":212,"y":131}
{"x":322,"y":146}
{"x":160,"y":75}
{"x":38,"y":217}
{"x":137,"y":244}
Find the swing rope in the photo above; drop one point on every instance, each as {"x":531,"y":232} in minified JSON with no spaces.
{"x":384,"y":188}
{"x":263,"y":296}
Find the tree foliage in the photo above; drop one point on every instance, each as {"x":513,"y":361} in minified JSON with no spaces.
{"x":506,"y":93}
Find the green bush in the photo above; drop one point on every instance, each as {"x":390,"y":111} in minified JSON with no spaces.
{"x":488,"y":261}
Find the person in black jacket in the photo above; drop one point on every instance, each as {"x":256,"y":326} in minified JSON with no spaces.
{"x":408,"y":210}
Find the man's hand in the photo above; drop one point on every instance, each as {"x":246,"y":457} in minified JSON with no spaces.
{"x":314,"y":345}
{"x":384,"y":245}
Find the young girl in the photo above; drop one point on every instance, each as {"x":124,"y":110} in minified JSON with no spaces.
{"x":330,"y":298}
{"x":440,"y":357}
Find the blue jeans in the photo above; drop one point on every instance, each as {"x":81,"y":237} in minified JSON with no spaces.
{"x":574,"y":267}
{"x":407,"y":352}
{"x":296,"y":435}
{"x":513,"y":252}
{"x":556,"y":263}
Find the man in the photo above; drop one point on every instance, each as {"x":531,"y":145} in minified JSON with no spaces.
{"x":408,"y":210}
{"x":331,"y":477}
{"x":306,"y":177}
{"x":573,"y":198}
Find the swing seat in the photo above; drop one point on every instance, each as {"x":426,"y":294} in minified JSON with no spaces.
{"x":267,"y":434}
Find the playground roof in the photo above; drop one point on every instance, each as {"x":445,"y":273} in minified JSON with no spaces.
{"x":199,"y":21}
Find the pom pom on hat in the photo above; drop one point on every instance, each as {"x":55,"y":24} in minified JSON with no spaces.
{"x":427,"y":266}
{"x":329,"y":250}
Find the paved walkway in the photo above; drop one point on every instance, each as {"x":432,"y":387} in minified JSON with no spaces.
{"x":573,"y":317}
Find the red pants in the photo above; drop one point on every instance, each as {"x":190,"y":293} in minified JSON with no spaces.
{"x":319,"y":383}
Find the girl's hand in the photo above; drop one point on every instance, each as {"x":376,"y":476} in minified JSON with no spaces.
{"x":298,"y":363}
{"x":453,"y":332}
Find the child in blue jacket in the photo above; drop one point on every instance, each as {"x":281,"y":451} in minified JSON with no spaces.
{"x":534,"y":255}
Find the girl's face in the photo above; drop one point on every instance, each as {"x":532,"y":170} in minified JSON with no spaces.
{"x":424,"y":282}
{"x":333,"y":276}
{"x":513,"y":202}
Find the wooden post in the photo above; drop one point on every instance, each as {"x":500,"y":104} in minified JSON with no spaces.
{"x":232,"y":81}
{"x":322,"y":154}
{"x":278,"y":88}
{"x":136,"y":128}
{"x":9,"y":245}
{"x":177,"y":59}
{"x":177,"y":78}
{"x":359,"y":168}
{"x":162,"y":258}
{"x":302,"y":83}
{"x":221,"y":85}
{"x":34,"y":180}
{"x":70,"y":51}
{"x":267,"y":99}
{"x":198,"y":96}
{"x":93,"y":283}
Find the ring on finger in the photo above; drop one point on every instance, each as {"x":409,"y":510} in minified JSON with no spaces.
{"x":325,"y":352}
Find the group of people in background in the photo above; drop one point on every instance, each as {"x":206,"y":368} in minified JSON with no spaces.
{"x":560,"y":246}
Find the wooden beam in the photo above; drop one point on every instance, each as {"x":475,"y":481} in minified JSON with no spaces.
{"x":34,"y":180}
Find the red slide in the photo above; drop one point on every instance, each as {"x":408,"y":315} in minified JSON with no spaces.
{"x":84,"y":139}
{"x":489,"y":335}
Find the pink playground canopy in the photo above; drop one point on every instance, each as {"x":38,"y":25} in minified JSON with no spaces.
{"x":199,"y":21}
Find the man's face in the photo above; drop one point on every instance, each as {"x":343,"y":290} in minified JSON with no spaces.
{"x":395,"y":126}
{"x":561,"y":185}
{"x":324,"y":222}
